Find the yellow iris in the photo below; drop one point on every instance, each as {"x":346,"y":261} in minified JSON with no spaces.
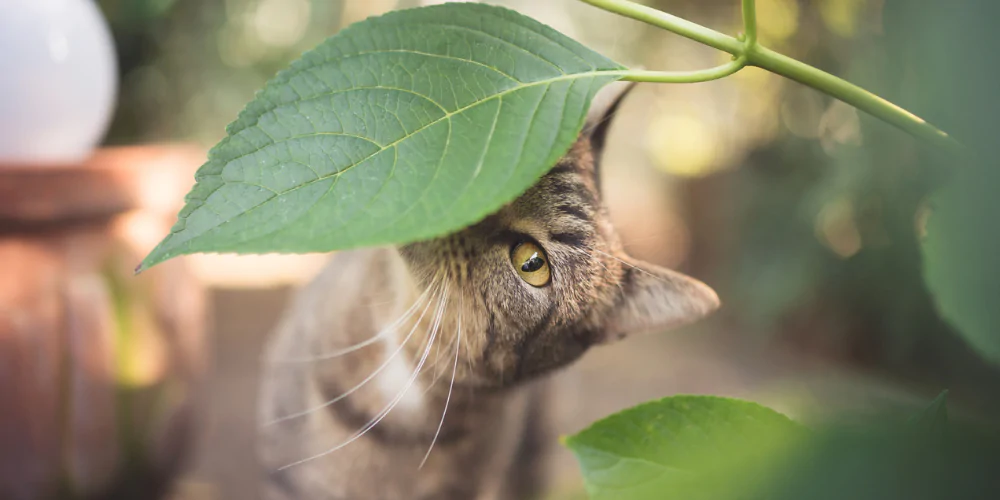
{"x":531,"y":264}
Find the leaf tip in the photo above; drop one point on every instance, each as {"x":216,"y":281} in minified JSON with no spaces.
{"x":151,"y":260}
{"x":156,"y":256}
{"x":934,"y":417}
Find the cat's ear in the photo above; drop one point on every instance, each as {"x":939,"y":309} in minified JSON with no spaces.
{"x":602,"y":110}
{"x":653,"y":298}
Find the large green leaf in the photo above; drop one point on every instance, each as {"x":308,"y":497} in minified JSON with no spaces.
{"x":399,"y":128}
{"x":682,"y":447}
{"x":938,"y":43}
{"x":962,"y":256}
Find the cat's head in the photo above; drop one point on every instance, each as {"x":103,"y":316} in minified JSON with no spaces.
{"x":543,"y":279}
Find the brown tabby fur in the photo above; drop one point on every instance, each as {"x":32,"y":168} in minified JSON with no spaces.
{"x":496,"y":336}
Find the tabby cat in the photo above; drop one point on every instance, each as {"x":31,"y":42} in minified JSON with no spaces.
{"x":454,"y":336}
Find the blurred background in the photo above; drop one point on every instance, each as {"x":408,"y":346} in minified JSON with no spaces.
{"x":805,"y":216}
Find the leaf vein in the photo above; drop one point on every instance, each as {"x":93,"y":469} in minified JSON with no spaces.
{"x":508,"y":42}
{"x":447,"y":116}
{"x":431,"y":54}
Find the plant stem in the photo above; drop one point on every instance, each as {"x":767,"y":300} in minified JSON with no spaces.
{"x":704,"y":75}
{"x":855,"y":96}
{"x":762,"y":57}
{"x":750,"y":23}
{"x":671,"y":22}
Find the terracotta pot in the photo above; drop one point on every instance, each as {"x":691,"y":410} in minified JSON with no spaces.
{"x":98,"y":368}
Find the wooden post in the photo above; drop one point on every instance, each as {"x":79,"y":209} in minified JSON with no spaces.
{"x":99,"y":369}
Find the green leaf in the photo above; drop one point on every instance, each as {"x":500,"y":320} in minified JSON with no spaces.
{"x":682,"y":447}
{"x":962,"y":247}
{"x":875,"y":463}
{"x":399,"y":128}
{"x":962,"y":256}
{"x":933,"y":419}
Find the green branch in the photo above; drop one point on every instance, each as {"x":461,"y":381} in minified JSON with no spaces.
{"x":749,"y":50}
{"x":672,"y":23}
{"x":750,"y":23}
{"x":704,"y":75}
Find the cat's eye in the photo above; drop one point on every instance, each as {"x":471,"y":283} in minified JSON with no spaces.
{"x":531,"y":264}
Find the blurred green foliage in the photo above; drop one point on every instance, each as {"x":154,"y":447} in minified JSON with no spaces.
{"x":706,"y":448}
{"x":822,"y":244}
{"x":952,"y":50}
{"x":873,"y":463}
{"x":189,"y":66}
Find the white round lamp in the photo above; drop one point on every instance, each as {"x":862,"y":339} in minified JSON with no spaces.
{"x":58,"y":80}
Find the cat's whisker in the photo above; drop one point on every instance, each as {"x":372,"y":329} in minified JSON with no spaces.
{"x":647,"y":236}
{"x":392,"y":404}
{"x":451,"y":386}
{"x":633,"y":266}
{"x":436,"y":365}
{"x":598,"y":261}
{"x":468,"y":359}
{"x":367,"y":379}
{"x":409,"y":313}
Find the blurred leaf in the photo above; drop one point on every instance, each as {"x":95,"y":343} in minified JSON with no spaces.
{"x":399,"y":128}
{"x":932,"y":420}
{"x":701,"y":447}
{"x":962,"y":251}
{"x":880,"y":464}
{"x":132,"y":11}
{"x":949,"y":51}
{"x":681,"y":447}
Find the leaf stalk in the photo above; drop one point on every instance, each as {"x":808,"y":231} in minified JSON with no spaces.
{"x":749,"y":25}
{"x":703,"y":75}
{"x":749,"y":52}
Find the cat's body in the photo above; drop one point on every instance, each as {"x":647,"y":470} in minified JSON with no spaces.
{"x":468,"y":322}
{"x":476,"y":420}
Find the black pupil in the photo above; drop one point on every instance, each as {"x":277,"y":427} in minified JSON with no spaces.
{"x":533,"y":263}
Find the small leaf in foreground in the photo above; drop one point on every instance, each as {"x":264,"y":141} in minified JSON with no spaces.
{"x":399,"y":128}
{"x":933,"y":419}
{"x":682,"y":447}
